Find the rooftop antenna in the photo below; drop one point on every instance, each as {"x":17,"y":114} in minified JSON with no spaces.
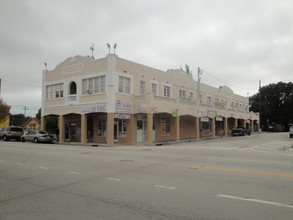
{"x":115,"y":46}
{"x":92,"y":48}
{"x":109,"y":47}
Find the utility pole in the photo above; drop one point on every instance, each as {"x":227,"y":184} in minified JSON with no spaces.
{"x":259,"y":104}
{"x":25,"y":108}
{"x":199,"y":73}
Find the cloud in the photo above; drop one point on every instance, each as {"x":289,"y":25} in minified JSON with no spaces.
{"x":238,"y":42}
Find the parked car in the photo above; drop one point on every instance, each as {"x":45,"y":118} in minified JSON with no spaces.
{"x":240,"y":131}
{"x":37,"y":136}
{"x":1,"y":132}
{"x":11,"y":132}
{"x":291,"y":131}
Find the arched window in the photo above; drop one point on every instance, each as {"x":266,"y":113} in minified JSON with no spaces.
{"x":72,"y":88}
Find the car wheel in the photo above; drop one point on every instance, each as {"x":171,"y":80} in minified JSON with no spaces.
{"x":23,"y":139}
{"x":5,"y":138}
{"x":36,"y":140}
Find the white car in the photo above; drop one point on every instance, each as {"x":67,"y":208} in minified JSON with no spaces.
{"x":37,"y":136}
{"x":291,"y":131}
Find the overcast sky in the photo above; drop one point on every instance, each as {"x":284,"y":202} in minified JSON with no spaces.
{"x":236,"y":42}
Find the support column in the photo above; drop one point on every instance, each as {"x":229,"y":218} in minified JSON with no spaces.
{"x":43,"y":123}
{"x":213,"y":127}
{"x":150,"y":128}
{"x":61,"y":126}
{"x":226,"y":126}
{"x":131,"y":130}
{"x":251,"y":126}
{"x":197,"y":128}
{"x":177,"y":128}
{"x":83,"y":138}
{"x":110,"y":128}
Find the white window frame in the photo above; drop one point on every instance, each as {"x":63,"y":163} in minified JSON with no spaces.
{"x":93,"y":85}
{"x":55,"y":91}
{"x":154,"y":87}
{"x":167,"y":90}
{"x":124,"y":84}
{"x":142,"y":87}
{"x":182,"y":94}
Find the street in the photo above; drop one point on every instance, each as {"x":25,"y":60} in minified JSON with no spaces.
{"x":248,"y":177}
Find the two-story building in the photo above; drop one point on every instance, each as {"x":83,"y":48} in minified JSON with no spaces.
{"x":113,"y":100}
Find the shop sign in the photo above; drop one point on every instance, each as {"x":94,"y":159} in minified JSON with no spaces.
{"x":204,"y":119}
{"x":121,"y":116}
{"x":94,"y":108}
{"x":123,"y":107}
{"x":219,"y":118}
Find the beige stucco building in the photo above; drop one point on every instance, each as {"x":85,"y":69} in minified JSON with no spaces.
{"x":113,"y":100}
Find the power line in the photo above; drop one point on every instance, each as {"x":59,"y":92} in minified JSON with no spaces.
{"x":225,"y":83}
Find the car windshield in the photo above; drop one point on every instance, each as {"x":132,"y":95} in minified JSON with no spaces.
{"x":43,"y":132}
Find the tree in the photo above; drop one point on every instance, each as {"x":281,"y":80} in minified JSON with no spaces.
{"x":38,"y":115}
{"x":4,"y":110}
{"x":17,"y":119}
{"x":276,"y":104}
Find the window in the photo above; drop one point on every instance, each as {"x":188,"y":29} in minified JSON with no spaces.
{"x":72,"y":88}
{"x":166,"y":126}
{"x":167,"y":91}
{"x":209,"y":100}
{"x":122,"y":127}
{"x":142,"y":87}
{"x":54,"y":91}
{"x":191,"y":96}
{"x":124,"y":85}
{"x":154,"y":88}
{"x":102,"y":125}
{"x":182,"y":94}
{"x":93,"y":85}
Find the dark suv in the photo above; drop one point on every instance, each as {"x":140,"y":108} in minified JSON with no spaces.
{"x":11,"y":132}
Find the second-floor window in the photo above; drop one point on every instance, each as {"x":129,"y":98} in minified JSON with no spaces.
{"x":209,"y":100}
{"x":93,"y":85}
{"x":124,"y":85}
{"x":154,"y":88}
{"x":142,"y":87}
{"x":167,"y":91}
{"x":54,"y":91}
{"x":182,"y":94}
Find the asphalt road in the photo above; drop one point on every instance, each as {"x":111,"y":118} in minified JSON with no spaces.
{"x":247,"y":177}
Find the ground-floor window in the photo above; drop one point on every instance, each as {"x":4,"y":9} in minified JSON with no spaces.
{"x":122,"y":127}
{"x":166,"y":126}
{"x":102,"y":125}
{"x":205,"y":127}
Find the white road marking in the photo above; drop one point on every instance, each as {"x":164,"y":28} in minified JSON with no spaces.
{"x":44,"y":168}
{"x":257,"y":200}
{"x":165,"y":187}
{"x":76,"y":173}
{"x":19,"y":164}
{"x":114,"y":179}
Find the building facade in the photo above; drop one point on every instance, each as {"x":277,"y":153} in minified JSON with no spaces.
{"x":113,"y":100}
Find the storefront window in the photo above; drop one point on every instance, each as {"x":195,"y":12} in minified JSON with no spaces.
{"x":122,"y":127}
{"x":166,"y":126}
{"x":102,"y":126}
